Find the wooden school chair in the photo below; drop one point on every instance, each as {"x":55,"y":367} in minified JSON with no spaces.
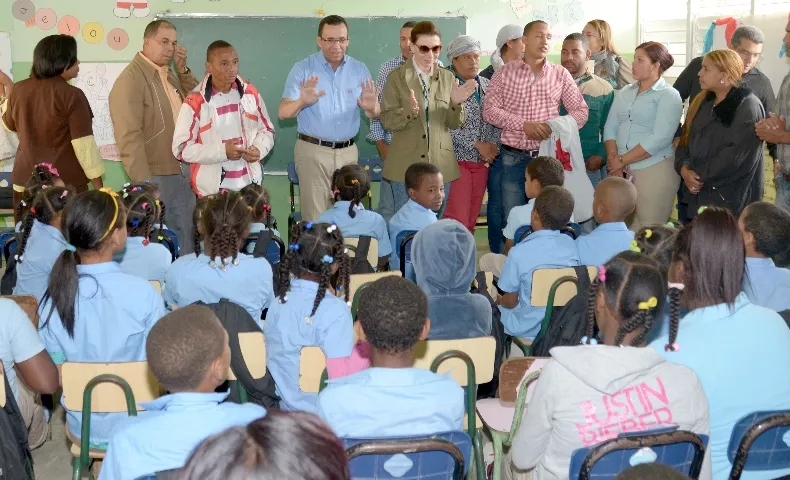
{"x":359,"y":281}
{"x":28,"y":304}
{"x":253,"y":352}
{"x":373,"y":250}
{"x":2,"y":387}
{"x":102,"y":388}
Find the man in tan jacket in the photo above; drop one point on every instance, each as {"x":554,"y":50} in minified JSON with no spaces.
{"x":144,"y":104}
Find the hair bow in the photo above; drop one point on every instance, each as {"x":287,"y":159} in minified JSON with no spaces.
{"x":135,"y":222}
{"x":63,"y":195}
{"x":674,"y":347}
{"x":71,"y":248}
{"x":589,"y":341}
{"x":648,"y":233}
{"x":678,"y":286}
{"x":652,"y":302}
{"x":126,"y":185}
{"x":294,"y":247}
{"x":635,"y":247}
{"x":23,"y":203}
{"x":308,"y":226}
{"x":701,"y":209}
{"x":157,"y":202}
{"x":266,"y":207}
{"x":602,"y":274}
{"x":249,"y":208}
{"x":33,"y":210}
{"x":367,"y":168}
{"x":144,"y":205}
{"x":354,"y":181}
{"x":328,"y":259}
{"x":331,"y":228}
{"x":108,"y":191}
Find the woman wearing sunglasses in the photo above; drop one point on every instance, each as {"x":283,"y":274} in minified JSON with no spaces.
{"x":421,"y":103}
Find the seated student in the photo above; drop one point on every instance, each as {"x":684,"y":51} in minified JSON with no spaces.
{"x":545,"y":247}
{"x":222,"y":272}
{"x":308,"y":314}
{"x":140,"y":257}
{"x":578,"y":398}
{"x":92,"y":311}
{"x":613,"y":202}
{"x":766,"y":234}
{"x":350,"y":185}
{"x":151,"y":189}
{"x":189,"y":354}
{"x":42,"y":242}
{"x":21,"y":351}
{"x":391,"y":398}
{"x":257,"y":199}
{"x":444,"y":263}
{"x":292,"y":445}
{"x":426,"y":193}
{"x":44,"y":175}
{"x":658,"y":242}
{"x":541,"y":172}
{"x":733,"y":345}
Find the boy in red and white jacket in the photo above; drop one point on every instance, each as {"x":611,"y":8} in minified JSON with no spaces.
{"x":223,"y":129}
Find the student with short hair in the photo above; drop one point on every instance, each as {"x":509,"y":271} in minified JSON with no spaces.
{"x":545,"y":247}
{"x":766,"y":234}
{"x":733,"y":345}
{"x":189,"y":354}
{"x":425,"y":185}
{"x":91,"y":310}
{"x":578,"y":398}
{"x":613,"y":202}
{"x":257,"y":198}
{"x":391,"y":398}
{"x":222,"y":271}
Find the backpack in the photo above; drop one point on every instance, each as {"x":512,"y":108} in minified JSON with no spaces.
{"x":237,"y":320}
{"x":480,"y":287}
{"x":264,"y":238}
{"x":359,"y":262}
{"x":8,"y":282}
{"x":16,"y":461}
{"x":568,"y":324}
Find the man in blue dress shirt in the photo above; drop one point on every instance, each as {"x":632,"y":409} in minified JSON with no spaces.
{"x":324,"y":92}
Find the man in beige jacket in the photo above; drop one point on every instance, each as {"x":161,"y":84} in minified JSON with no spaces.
{"x":144,"y":104}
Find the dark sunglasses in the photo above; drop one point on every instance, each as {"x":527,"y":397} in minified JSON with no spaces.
{"x":436,"y":50}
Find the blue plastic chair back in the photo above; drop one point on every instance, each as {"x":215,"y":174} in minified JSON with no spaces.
{"x":169,"y":240}
{"x":678,"y":449}
{"x":404,"y":240}
{"x":292,"y":176}
{"x":573,"y":230}
{"x":760,"y":441}
{"x":375,"y":167}
{"x":274,"y":251}
{"x":421,"y":461}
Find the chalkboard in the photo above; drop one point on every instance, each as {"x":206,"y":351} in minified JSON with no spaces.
{"x":269,"y":46}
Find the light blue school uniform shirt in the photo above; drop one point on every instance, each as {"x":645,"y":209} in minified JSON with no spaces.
{"x":649,"y":119}
{"x":43,"y":248}
{"x":149,"y":262}
{"x":287,"y":331}
{"x":172,"y":428}
{"x":767,"y":285}
{"x":541,"y":249}
{"x":335,"y":116}
{"x":248,"y":284}
{"x":518,"y":217}
{"x":392,"y":402}
{"x":256,"y":228}
{"x":740,"y":355}
{"x":603,"y":243}
{"x":366,"y":223}
{"x":411,"y":216}
{"x":19,"y":340}
{"x":114,"y":312}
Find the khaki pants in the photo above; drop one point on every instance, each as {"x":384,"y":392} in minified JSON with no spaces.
{"x":33,"y":415}
{"x":493,"y":262}
{"x":315,"y":166}
{"x":656,"y":188}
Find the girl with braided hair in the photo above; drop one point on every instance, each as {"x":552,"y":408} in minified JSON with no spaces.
{"x":593,"y":392}
{"x":142,"y":257}
{"x":350,"y":185}
{"x":41,"y":242}
{"x":309,"y":314}
{"x":44,"y":175}
{"x":738,"y":349}
{"x":257,"y":198}
{"x":221,"y":270}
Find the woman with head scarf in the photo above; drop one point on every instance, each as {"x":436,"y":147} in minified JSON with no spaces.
{"x":509,"y":47}
{"x":476,"y":143}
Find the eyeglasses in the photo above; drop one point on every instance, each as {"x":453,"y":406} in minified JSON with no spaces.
{"x":339,"y":41}
{"x":424,"y":49}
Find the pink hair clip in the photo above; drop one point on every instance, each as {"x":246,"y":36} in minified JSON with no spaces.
{"x":672,"y":348}
{"x":144,"y":205}
{"x":63,"y":195}
{"x":266,"y":207}
{"x":678,"y":286}
{"x":602,"y":274}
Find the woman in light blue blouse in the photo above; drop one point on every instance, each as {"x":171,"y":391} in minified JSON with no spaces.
{"x":639,"y":131}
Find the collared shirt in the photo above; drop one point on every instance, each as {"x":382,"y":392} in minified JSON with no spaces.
{"x":598,"y":95}
{"x":392,"y":402}
{"x":365,"y":223}
{"x":541,"y":249}
{"x":474,"y":129}
{"x":248,"y":284}
{"x":736,"y":385}
{"x":172,"y":93}
{"x":603,"y":243}
{"x":287,"y":330}
{"x":335,"y":116}
{"x":149,"y":262}
{"x":114,"y":314}
{"x":411,"y":216}
{"x":19,"y":340}
{"x":235,"y":175}
{"x":517,"y":94}
{"x":518,"y":217}
{"x":173,"y":427}
{"x":782,"y":108}
{"x":44,"y":246}
{"x":649,"y":119}
{"x":767,"y":285}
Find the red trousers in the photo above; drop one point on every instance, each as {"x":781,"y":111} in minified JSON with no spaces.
{"x":466,"y":194}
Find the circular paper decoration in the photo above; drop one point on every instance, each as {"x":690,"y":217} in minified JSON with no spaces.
{"x":46,"y":18}
{"x":68,"y":25}
{"x":93,"y":32}
{"x":23,"y":10}
{"x":118,"y":39}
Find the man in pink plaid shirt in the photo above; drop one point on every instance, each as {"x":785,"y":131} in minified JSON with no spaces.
{"x":522,"y":96}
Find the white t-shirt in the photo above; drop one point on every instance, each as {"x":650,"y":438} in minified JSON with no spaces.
{"x":19,"y":340}
{"x":229,"y":113}
{"x":520,"y":216}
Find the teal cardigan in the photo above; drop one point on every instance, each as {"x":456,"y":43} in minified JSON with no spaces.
{"x":599,"y":95}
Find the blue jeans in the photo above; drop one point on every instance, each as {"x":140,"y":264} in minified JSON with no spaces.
{"x":597,"y":176}
{"x":400,"y":196}
{"x":386,"y":206}
{"x":782,"y":192}
{"x":506,"y":179}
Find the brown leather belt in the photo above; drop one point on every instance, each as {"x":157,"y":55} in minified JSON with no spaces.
{"x":324,"y":143}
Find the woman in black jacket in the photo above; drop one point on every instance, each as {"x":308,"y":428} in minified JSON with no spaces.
{"x":719,"y":157}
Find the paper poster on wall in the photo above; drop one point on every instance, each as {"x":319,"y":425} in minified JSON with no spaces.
{"x":5,"y":54}
{"x":96,"y":80}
